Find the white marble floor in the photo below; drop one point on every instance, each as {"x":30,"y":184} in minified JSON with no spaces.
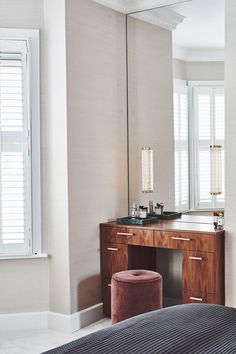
{"x":38,"y":341}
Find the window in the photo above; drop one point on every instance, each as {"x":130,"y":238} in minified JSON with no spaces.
{"x":194,"y":133}
{"x":19,"y":143}
{"x":207,"y":128}
{"x":181,"y":145}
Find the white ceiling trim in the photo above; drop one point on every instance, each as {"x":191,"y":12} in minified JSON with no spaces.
{"x":113,"y":4}
{"x":163,"y":18}
{"x":128,"y":6}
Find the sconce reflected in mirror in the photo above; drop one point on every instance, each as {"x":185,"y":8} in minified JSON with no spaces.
{"x":216,"y":169}
{"x":147,"y":170}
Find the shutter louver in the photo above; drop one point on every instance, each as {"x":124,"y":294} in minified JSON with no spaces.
{"x":219,"y":116}
{"x":11,"y":95}
{"x":15,"y":203}
{"x":209,"y":121}
{"x":181,"y":146}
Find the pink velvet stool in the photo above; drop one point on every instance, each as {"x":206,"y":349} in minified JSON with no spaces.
{"x":134,"y":292}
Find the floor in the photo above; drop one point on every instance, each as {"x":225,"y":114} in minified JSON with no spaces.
{"x":37,"y":341}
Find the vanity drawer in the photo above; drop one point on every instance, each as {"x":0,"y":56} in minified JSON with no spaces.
{"x":125,"y":235}
{"x":114,"y":258}
{"x":199,"y":272}
{"x":185,"y":241}
{"x":114,"y":234}
{"x":199,"y":298}
{"x":140,"y":237}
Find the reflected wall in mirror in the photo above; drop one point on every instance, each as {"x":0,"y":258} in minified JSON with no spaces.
{"x":176,"y":101}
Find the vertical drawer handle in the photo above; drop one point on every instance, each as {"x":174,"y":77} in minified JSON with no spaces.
{"x":109,"y":285}
{"x":195,"y":298}
{"x":125,"y":234}
{"x":196,"y":258}
{"x":181,"y":239}
{"x":112,"y":249}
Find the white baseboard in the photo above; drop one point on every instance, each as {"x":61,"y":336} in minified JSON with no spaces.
{"x":52,"y":320}
{"x":72,"y":323}
{"x":23,"y":321}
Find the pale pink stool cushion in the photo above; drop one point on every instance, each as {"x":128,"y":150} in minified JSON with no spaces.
{"x":134,"y":292}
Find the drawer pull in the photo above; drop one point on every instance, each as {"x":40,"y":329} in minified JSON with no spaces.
{"x":181,"y":239}
{"x":196,"y":258}
{"x":125,"y":234}
{"x":195,"y":298}
{"x":112,"y":249}
{"x":109,"y":285}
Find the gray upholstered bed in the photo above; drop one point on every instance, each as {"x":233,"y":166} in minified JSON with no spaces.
{"x":183,"y":329}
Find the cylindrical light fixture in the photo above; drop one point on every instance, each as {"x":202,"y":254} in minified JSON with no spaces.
{"x":216,"y":169}
{"x":147,"y":170}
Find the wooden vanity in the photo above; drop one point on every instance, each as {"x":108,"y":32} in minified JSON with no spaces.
{"x":135,"y":247}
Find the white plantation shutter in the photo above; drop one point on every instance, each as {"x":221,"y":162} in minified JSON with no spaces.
{"x":181,"y":145}
{"x":208,"y":108}
{"x":15,"y":170}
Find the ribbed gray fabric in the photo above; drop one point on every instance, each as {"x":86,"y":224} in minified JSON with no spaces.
{"x":183,"y":329}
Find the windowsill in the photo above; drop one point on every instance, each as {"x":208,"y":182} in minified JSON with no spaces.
{"x":202,"y":210}
{"x":34,"y":256}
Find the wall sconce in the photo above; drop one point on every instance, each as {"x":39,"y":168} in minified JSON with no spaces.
{"x":147,"y":170}
{"x":216,"y":169}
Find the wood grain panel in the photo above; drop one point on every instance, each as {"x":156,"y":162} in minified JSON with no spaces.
{"x":140,"y":237}
{"x":198,"y":272}
{"x":199,"y":298}
{"x":114,"y":234}
{"x":115,"y":258}
{"x":184,"y":240}
{"x":106,"y":296}
{"x":220,"y":269}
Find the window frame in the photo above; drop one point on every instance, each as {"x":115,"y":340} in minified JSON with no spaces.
{"x":193,"y":189}
{"x":32,"y":38}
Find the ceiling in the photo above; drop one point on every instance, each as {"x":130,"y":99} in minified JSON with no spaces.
{"x":197,"y":25}
{"x":202,"y":33}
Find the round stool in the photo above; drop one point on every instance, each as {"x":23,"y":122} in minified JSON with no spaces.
{"x":134,"y":292}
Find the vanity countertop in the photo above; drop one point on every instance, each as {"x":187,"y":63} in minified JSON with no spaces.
{"x":187,"y":223}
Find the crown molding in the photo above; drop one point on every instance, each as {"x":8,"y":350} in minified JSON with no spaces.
{"x":119,"y":5}
{"x":129,"y":6}
{"x":162,"y":17}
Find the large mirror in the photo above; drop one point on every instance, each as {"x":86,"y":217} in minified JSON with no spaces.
{"x":176,"y":101}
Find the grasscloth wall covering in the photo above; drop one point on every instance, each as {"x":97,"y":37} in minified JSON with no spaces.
{"x":198,"y":71}
{"x":97,"y":137}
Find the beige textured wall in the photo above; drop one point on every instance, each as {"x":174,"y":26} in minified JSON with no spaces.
{"x":21,"y":13}
{"x":230,"y":86}
{"x":97,"y":137}
{"x":24,"y":286}
{"x":24,"y":283}
{"x":198,"y":71}
{"x":151,"y":109}
{"x":205,"y":71}
{"x":179,"y":69}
